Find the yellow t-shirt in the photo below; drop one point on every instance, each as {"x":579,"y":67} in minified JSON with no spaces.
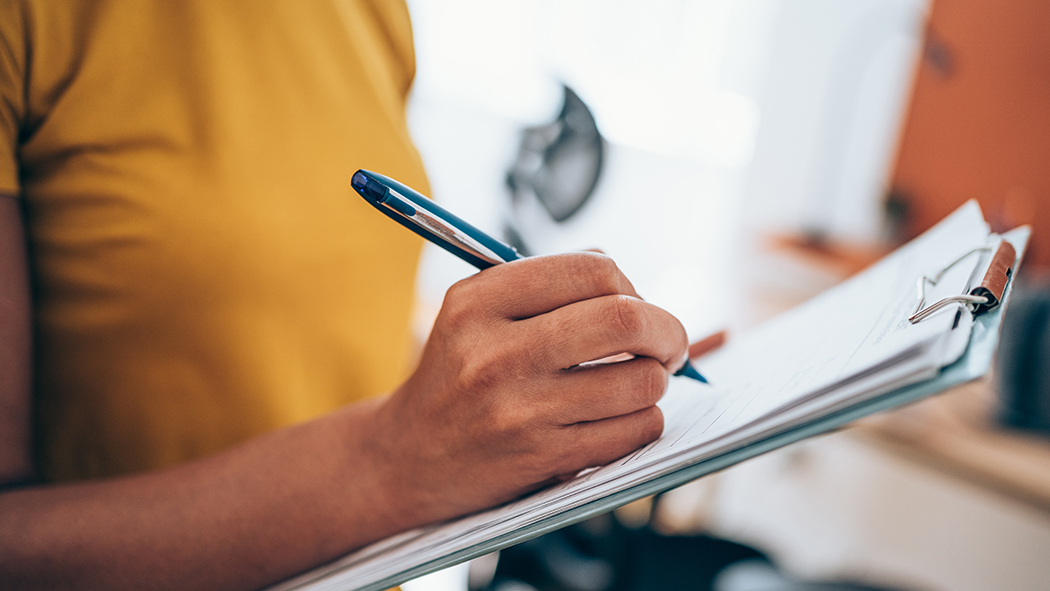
{"x":202,"y":271}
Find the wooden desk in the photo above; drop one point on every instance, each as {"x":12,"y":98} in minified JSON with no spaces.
{"x":956,"y":433}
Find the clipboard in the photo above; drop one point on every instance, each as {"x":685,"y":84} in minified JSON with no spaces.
{"x":993,"y":275}
{"x":974,"y":363}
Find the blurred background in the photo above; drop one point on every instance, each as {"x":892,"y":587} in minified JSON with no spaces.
{"x":736,"y":157}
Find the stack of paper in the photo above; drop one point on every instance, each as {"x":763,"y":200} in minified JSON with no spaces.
{"x":843,"y":349}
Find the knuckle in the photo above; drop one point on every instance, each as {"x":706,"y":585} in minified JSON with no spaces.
{"x":478,"y":370}
{"x":641,"y":384}
{"x":651,"y":424}
{"x":459,"y":289}
{"x":603,"y":263}
{"x":652,"y":382}
{"x":459,"y":303}
{"x":605,"y":273}
{"x":623,"y":316}
{"x":598,"y":271}
{"x":510,"y":424}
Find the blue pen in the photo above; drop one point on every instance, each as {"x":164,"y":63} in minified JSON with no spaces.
{"x":421,"y":215}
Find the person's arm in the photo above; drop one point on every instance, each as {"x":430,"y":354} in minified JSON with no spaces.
{"x":492,"y":411}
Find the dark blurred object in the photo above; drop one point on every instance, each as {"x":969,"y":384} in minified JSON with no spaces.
{"x":759,"y":575}
{"x":1023,"y":366}
{"x":603,"y":555}
{"x":558,"y":164}
{"x":978,"y":125}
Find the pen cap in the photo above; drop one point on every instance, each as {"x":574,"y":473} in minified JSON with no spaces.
{"x":375,"y":188}
{"x":367,"y":187}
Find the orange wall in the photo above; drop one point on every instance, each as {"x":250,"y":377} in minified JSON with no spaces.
{"x":979,"y":121}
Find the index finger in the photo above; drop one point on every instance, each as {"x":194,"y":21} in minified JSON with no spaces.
{"x":600,"y":327}
{"x":537,"y":285}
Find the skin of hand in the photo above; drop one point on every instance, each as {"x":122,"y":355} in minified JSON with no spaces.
{"x":497,"y":407}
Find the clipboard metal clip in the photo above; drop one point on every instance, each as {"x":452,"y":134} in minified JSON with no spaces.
{"x":986,"y":295}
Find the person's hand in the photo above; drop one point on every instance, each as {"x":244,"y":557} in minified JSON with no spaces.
{"x":498,"y":406}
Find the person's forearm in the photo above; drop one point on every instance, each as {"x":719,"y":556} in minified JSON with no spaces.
{"x":239,"y":520}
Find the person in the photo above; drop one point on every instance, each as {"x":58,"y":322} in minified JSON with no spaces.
{"x":205,"y":374}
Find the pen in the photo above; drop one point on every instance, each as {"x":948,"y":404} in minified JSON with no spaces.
{"x":421,"y":215}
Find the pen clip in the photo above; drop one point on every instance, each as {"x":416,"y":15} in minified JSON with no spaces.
{"x":431,"y":222}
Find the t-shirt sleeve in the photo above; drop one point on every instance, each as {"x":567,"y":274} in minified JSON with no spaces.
{"x":12,"y":92}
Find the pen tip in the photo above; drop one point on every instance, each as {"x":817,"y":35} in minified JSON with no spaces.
{"x":689,"y":371}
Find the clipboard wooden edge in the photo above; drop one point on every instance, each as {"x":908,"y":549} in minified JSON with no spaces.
{"x":973,"y":364}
